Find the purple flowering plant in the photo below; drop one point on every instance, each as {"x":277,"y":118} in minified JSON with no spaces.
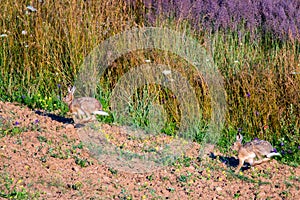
{"x":279,"y":17}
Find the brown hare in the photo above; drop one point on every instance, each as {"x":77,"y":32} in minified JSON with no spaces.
{"x":250,"y":150}
{"x":84,"y":108}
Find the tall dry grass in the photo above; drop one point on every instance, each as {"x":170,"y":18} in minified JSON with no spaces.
{"x":55,"y":40}
{"x":44,"y":49}
{"x":262,"y":84}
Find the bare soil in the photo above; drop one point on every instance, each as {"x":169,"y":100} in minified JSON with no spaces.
{"x":44,"y":155}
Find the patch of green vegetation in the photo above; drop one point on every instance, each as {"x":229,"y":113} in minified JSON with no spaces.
{"x":288,"y":184}
{"x":9,"y":128}
{"x":78,"y":146}
{"x":82,"y":162}
{"x":76,"y":186}
{"x":124,"y":195}
{"x":183,"y":161}
{"x":171,"y":189}
{"x":12,"y":128}
{"x":113,"y":171}
{"x":236,"y":195}
{"x":41,"y":138}
{"x":293,"y":177}
{"x":289,"y":144}
{"x":58,"y":152}
{"x":150,"y":177}
{"x":182,"y":178}
{"x":12,"y":189}
{"x":247,"y":179}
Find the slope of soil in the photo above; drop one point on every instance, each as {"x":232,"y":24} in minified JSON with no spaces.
{"x":42,"y":155}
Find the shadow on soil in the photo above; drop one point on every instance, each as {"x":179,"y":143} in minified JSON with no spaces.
{"x":229,"y":161}
{"x":59,"y":118}
{"x":56,"y":117}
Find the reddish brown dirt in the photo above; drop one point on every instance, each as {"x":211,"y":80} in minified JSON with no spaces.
{"x":44,"y":157}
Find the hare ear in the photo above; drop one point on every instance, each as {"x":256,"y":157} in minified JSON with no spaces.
{"x":73,"y":89}
{"x":70,"y":89}
{"x":239,"y":137}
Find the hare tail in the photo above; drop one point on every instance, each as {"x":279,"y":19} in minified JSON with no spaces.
{"x":273,"y":154}
{"x":100,"y":112}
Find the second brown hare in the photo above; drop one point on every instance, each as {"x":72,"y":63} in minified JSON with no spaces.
{"x":83,"y":109}
{"x":261,"y":149}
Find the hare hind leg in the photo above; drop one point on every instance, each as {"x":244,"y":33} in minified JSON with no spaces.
{"x":93,"y":117}
{"x":83,"y":116}
{"x":89,"y":118}
{"x":258,"y":162}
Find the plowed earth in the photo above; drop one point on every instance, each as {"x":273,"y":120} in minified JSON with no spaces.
{"x":43,"y":155}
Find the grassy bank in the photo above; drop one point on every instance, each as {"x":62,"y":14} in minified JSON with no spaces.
{"x":42,"y":50}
